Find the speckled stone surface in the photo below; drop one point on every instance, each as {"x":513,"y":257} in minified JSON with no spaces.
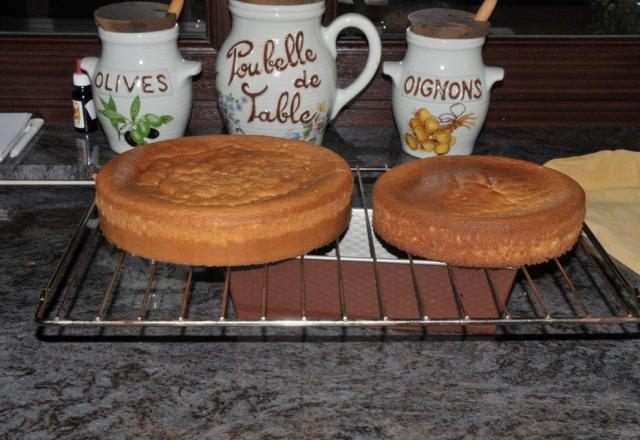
{"x":59,"y":153}
{"x":281,"y":384}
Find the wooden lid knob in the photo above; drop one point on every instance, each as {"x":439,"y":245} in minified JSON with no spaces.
{"x":447,"y":23}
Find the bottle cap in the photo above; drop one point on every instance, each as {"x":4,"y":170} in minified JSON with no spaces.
{"x":79,"y":77}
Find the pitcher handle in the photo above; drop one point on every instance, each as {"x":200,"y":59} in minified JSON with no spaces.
{"x":330,"y":35}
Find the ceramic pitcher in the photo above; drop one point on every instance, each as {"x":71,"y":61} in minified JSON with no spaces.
{"x":276,"y":72}
{"x":440,"y":94}
{"x":142,"y":87}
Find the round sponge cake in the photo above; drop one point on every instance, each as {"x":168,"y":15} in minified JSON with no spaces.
{"x":478,"y":211}
{"x":224,"y":200}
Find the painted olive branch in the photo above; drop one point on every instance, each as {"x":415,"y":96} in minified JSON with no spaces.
{"x":136,"y":130}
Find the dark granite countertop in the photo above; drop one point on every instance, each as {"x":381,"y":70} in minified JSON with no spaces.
{"x":59,"y":153}
{"x":277,"y":384}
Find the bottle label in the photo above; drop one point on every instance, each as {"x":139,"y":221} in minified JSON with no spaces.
{"x":91,"y":109}
{"x":78,"y":114}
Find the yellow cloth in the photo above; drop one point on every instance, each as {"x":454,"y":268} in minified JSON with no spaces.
{"x":611,"y":180}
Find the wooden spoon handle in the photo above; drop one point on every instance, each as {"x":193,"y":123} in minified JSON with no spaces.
{"x":175,"y":7}
{"x":485,"y":10}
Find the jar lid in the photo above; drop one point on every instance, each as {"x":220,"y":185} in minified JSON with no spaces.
{"x":134,"y":17}
{"x":281,"y":2}
{"x":447,"y":23}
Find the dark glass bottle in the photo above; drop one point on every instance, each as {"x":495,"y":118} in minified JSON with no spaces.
{"x":85,"y":119}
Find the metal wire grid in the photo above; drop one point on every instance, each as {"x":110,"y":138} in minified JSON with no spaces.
{"x":63,"y":291}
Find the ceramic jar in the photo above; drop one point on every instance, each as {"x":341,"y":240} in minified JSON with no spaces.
{"x":440,"y":94}
{"x":141,"y":86}
{"x":276,"y":72}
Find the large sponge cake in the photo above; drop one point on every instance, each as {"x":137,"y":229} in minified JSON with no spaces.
{"x":224,"y":200}
{"x":478,"y":211}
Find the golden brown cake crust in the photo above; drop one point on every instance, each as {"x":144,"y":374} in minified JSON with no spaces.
{"x":224,"y":200}
{"x":478,"y":210}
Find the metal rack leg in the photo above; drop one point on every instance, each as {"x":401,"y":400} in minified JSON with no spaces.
{"x":109,"y":289}
{"x":147,"y":291}
{"x":185,"y":295}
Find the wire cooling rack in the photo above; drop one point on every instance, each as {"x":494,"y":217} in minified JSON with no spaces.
{"x":97,"y":285}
